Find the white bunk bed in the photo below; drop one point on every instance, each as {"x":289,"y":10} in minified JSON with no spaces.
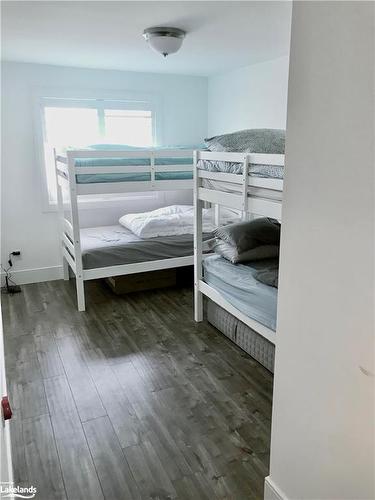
{"x":70,"y":188}
{"x":249,"y":194}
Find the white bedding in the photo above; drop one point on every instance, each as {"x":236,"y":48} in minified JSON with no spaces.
{"x":172,"y":221}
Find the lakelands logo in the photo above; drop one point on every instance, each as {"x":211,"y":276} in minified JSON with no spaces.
{"x":8,"y":490}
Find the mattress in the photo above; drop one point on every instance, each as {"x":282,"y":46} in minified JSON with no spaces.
{"x":245,"y":337}
{"x":237,"y":284}
{"x":115,"y":245}
{"x":133,"y":176}
{"x":266,"y":171}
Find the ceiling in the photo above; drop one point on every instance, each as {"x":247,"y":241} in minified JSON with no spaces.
{"x":222,"y":35}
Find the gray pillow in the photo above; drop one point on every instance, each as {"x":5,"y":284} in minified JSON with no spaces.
{"x":230,"y":252}
{"x":250,"y":234}
{"x":257,"y":140}
{"x":269,"y":277}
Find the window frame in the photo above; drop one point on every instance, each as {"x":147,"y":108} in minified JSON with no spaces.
{"x":89,"y":99}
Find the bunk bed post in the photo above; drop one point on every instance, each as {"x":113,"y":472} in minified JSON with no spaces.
{"x":76,"y":233}
{"x":217,"y":214}
{"x":245,"y":186}
{"x":198,"y":297}
{"x":60,"y":209}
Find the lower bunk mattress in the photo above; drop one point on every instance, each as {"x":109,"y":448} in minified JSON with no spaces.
{"x":237,"y":284}
{"x":245,"y":337}
{"x":115,"y":245}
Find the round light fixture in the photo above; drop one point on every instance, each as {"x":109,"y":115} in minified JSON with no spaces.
{"x":164,"y":40}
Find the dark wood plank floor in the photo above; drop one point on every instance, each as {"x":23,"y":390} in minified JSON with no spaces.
{"x":131,"y":399}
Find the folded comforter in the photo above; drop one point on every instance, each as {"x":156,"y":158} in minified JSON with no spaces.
{"x":171,"y":221}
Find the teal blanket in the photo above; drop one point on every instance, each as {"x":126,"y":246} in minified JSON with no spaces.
{"x":136,"y":176}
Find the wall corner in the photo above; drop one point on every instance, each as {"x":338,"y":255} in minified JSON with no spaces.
{"x":271,"y":491}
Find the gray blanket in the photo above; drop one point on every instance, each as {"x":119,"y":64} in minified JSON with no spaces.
{"x":230,"y":167}
{"x":115,"y":245}
{"x":262,"y":140}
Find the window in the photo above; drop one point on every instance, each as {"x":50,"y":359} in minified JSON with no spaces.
{"x":136,"y":124}
{"x":79,"y":123}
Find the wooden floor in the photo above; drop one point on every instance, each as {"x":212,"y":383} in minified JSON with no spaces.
{"x":131,"y":399}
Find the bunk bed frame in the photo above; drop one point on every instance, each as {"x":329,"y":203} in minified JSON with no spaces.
{"x":249,"y":196}
{"x":70,"y":236}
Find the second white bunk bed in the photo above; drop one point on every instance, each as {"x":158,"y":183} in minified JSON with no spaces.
{"x":91,"y":172}
{"x":252,"y":195}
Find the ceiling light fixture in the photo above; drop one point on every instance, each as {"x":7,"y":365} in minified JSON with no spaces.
{"x":164,"y":40}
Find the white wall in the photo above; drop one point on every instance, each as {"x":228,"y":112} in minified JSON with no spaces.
{"x":183,"y":105}
{"x":250,"y":97}
{"x":323,"y":410}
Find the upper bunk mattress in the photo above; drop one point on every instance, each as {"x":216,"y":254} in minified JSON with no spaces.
{"x":131,"y":161}
{"x":229,"y":167}
{"x":131,"y":177}
{"x":237,"y":284}
{"x":115,"y":245}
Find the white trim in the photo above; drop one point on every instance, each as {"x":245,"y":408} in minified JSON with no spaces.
{"x":271,"y":491}
{"x":37,"y":275}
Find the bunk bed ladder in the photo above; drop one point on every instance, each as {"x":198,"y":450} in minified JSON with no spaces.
{"x":60,"y":207}
{"x":76,"y":233}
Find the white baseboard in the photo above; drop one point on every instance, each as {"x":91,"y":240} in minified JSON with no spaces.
{"x":271,"y":491}
{"x":38,"y":275}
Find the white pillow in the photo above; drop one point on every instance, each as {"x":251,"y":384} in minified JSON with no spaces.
{"x":170,"y":221}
